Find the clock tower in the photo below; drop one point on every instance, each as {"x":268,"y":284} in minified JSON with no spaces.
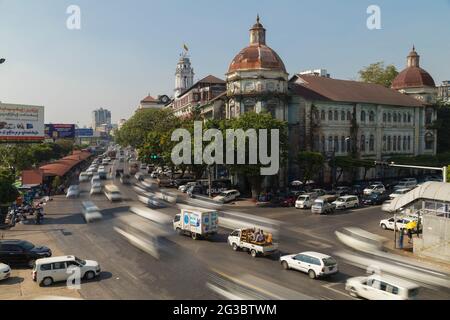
{"x":184,"y":75}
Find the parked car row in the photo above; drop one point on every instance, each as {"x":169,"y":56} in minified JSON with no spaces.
{"x":46,"y":269}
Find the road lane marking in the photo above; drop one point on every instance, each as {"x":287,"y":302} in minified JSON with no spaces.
{"x":330,"y":285}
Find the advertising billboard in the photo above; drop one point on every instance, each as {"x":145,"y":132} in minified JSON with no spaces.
{"x":21,"y":123}
{"x":84,"y":133}
{"x":60,"y":131}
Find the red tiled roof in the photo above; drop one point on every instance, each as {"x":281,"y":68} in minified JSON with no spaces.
{"x":148,"y":99}
{"x":64,"y":165}
{"x":413,"y":77}
{"x":327,"y":89}
{"x":31,"y":177}
{"x":257,"y":57}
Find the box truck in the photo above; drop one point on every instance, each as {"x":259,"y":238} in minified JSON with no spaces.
{"x":196,"y":223}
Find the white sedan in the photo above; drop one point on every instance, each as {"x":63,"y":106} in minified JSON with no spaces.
{"x":5,"y":271}
{"x":313,"y":263}
{"x":227,"y":196}
{"x":73,"y":192}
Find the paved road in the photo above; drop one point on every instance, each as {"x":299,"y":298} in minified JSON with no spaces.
{"x":190,"y":269}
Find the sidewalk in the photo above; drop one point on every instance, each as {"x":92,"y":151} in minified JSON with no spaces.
{"x":20,"y":286}
{"x":407,"y":251}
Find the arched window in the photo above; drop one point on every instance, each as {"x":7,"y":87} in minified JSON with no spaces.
{"x":372,"y":116}
{"x":384,"y":143}
{"x":336,"y":144}
{"x":323,"y":144}
{"x":384,"y":117}
{"x":409,"y":143}
{"x":429,"y":141}
{"x":395,"y":117}
{"x":330,"y":115}
{"x":363,"y":143}
{"x":389,"y":143}
{"x":363,"y":116}
{"x":342,"y":115}
{"x":343,"y":144}
{"x":349,"y":144}
{"x":336,"y":115}
{"x":389,"y":117}
{"x":409,"y":117}
{"x":322,"y":115}
{"x":349,"y":116}
{"x":405,"y":143}
{"x":399,"y":143}
{"x":330,"y":143}
{"x":394,"y":138}
{"x":372,"y":143}
{"x":404,"y":118}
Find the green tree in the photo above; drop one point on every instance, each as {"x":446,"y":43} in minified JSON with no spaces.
{"x":379,"y":74}
{"x":8,"y":193}
{"x":310,"y":164}
{"x":252,"y":120}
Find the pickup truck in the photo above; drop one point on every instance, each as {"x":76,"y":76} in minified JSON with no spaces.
{"x":242,"y":239}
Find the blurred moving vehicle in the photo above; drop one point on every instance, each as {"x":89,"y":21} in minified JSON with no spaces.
{"x":194,"y":190}
{"x":84,"y":177}
{"x":382,"y":287}
{"x":346,"y":202}
{"x":143,"y":166}
{"x":375,"y":199}
{"x":306,"y":201}
{"x":112,"y":193}
{"x":256,"y":242}
{"x":139,"y":176}
{"x":125,"y":179}
{"x":5,"y":271}
{"x":374,"y":188}
{"x":184,"y":188}
{"x":90,"y":212}
{"x":315,"y":264}
{"x":73,"y":191}
{"x":227,"y":196}
{"x":324,"y":205}
{"x":50,"y":270}
{"x":196,"y":223}
{"x":319,"y":192}
{"x":96,"y":188}
{"x":20,"y":252}
{"x":96,"y":179}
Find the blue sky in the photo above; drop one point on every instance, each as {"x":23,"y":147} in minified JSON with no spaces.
{"x":127,"y":49}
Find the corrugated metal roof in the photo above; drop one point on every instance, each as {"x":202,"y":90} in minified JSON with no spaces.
{"x":328,"y":89}
{"x":434,"y":191}
{"x":62,"y":166}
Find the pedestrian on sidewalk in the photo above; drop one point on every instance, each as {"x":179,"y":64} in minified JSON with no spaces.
{"x":400,"y":239}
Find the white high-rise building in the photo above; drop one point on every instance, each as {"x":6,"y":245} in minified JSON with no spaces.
{"x":184,"y":75}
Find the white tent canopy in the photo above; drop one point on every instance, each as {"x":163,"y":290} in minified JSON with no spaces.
{"x":434,"y":191}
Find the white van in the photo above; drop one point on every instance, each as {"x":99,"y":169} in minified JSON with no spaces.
{"x":305,"y":201}
{"x":90,"y":211}
{"x":84,"y":177}
{"x":313,"y":263}
{"x":382,"y":288}
{"x":346,"y":202}
{"x":49,"y":270}
{"x":113,"y":193}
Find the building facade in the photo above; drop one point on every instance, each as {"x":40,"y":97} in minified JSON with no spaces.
{"x":257,"y":79}
{"x":101,"y":118}
{"x":197,"y":96}
{"x":444,"y":92}
{"x":153,"y":103}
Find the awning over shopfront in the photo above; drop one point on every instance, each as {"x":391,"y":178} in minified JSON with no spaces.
{"x":432,"y":191}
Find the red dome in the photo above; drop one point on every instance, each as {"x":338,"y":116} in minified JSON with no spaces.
{"x":257,"y":57}
{"x":413,"y":77}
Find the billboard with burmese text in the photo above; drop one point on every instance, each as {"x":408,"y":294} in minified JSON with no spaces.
{"x":21,"y":123}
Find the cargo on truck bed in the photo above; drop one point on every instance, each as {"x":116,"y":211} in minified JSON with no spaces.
{"x":256,"y":242}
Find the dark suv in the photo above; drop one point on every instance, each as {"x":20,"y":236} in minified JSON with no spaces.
{"x":20,"y":252}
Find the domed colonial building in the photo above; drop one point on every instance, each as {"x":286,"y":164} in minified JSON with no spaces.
{"x":257,"y":79}
{"x":415,"y":81}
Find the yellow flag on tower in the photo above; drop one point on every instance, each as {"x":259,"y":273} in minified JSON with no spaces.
{"x":185,"y":47}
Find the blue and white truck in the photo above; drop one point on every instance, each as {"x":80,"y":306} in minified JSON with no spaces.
{"x":196,"y":223}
